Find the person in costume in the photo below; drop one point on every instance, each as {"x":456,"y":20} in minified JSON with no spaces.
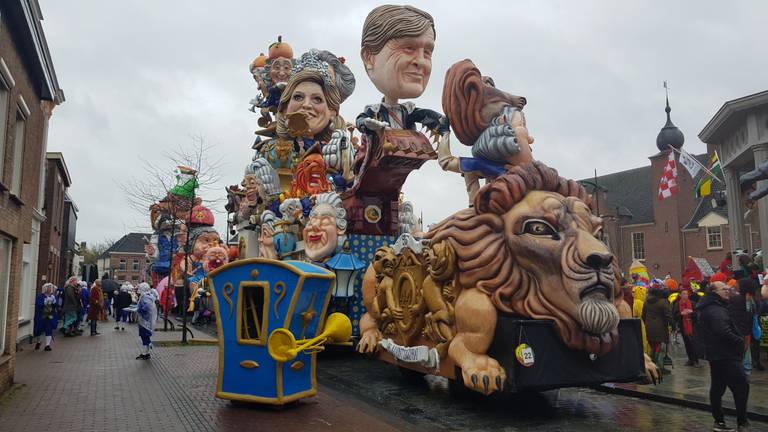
{"x":95,"y":306}
{"x":657,"y":318}
{"x":83,"y":292}
{"x":147,"y":315}
{"x":71,"y":307}
{"x":682,"y":311}
{"x":122,"y":300}
{"x":46,"y":315}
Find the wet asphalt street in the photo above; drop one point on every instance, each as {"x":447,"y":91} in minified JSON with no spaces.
{"x":429,"y":404}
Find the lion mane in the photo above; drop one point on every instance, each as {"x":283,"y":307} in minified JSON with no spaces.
{"x":492,"y":267}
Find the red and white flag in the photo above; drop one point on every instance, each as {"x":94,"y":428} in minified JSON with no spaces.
{"x":668,"y":184}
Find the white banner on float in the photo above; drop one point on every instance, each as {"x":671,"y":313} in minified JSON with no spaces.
{"x":421,"y":354}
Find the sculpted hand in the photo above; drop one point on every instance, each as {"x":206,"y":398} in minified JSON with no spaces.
{"x":652,"y":373}
{"x":374,"y":124}
{"x":369,"y":341}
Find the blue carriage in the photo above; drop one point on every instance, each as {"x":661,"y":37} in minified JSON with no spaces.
{"x":269,"y":316}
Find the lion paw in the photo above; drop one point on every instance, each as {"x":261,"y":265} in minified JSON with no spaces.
{"x":369,"y":341}
{"x":483,"y":374}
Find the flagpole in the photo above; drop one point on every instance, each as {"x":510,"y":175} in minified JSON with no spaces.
{"x":706,"y":170}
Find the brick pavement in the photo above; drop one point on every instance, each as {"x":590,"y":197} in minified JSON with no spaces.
{"x":690,"y":386}
{"x":95,"y":384}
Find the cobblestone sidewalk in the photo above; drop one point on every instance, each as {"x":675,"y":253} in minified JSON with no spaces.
{"x":95,"y":384}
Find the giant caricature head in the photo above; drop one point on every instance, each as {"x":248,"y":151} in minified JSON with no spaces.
{"x":266,"y":235}
{"x":253,"y":189}
{"x":484,"y":117}
{"x":396,"y":49}
{"x":309,"y":93}
{"x":279,"y":64}
{"x":327,"y":222}
{"x":215,"y":257}
{"x":310,"y":177}
{"x":260,"y":179}
{"x":204,"y":241}
{"x":257,"y":70}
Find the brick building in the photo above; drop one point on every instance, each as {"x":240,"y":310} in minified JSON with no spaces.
{"x":664,"y":233}
{"x":57,"y":181}
{"x":28,"y":93}
{"x":126,"y":261}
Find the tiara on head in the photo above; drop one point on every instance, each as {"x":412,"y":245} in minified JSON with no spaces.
{"x":310,"y":60}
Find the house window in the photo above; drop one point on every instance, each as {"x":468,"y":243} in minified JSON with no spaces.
{"x":714,"y":237}
{"x":6,"y":84}
{"x":18,"y":152}
{"x":5,"y":276}
{"x":252,"y":312}
{"x":135,"y":264}
{"x":122,"y":264}
{"x":638,"y":246}
{"x":135,"y":280}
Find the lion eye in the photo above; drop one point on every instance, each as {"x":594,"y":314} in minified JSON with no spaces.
{"x":539,"y":227}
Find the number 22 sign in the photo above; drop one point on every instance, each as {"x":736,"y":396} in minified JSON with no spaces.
{"x":524,"y":355}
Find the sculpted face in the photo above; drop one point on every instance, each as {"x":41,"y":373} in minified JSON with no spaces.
{"x":204,"y":242}
{"x":321,"y":236}
{"x":308,"y":98}
{"x":553,"y":239}
{"x":280,"y":71}
{"x":402,"y":68}
{"x":214,"y":258}
{"x":384,"y":261}
{"x":524,"y":139}
{"x":310,"y":175}
{"x":252,"y":187}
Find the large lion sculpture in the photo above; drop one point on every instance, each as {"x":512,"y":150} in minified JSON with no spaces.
{"x":527,"y":247}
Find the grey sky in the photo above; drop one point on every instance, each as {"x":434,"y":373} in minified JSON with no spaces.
{"x":142,"y":76}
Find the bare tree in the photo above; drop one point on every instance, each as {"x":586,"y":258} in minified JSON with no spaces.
{"x":92,"y":252}
{"x":159,"y":177}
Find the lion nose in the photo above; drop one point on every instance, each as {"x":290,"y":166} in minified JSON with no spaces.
{"x":599,"y":260}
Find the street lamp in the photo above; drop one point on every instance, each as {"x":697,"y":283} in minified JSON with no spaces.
{"x":346,"y":266}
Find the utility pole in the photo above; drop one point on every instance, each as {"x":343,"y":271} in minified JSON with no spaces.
{"x":597,"y":195}
{"x":186,"y":271}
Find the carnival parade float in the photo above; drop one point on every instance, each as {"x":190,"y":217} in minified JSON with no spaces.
{"x":516,"y":292}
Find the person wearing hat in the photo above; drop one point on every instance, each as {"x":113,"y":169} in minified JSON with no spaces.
{"x":71,"y":307}
{"x":724,"y":349}
{"x":147,"y":313}
{"x":122,"y":301}
{"x":46,"y":316}
{"x":95,"y":306}
{"x":682,"y":311}
{"x":657,"y":318}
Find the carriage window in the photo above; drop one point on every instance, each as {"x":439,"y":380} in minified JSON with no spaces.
{"x":252,"y":313}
